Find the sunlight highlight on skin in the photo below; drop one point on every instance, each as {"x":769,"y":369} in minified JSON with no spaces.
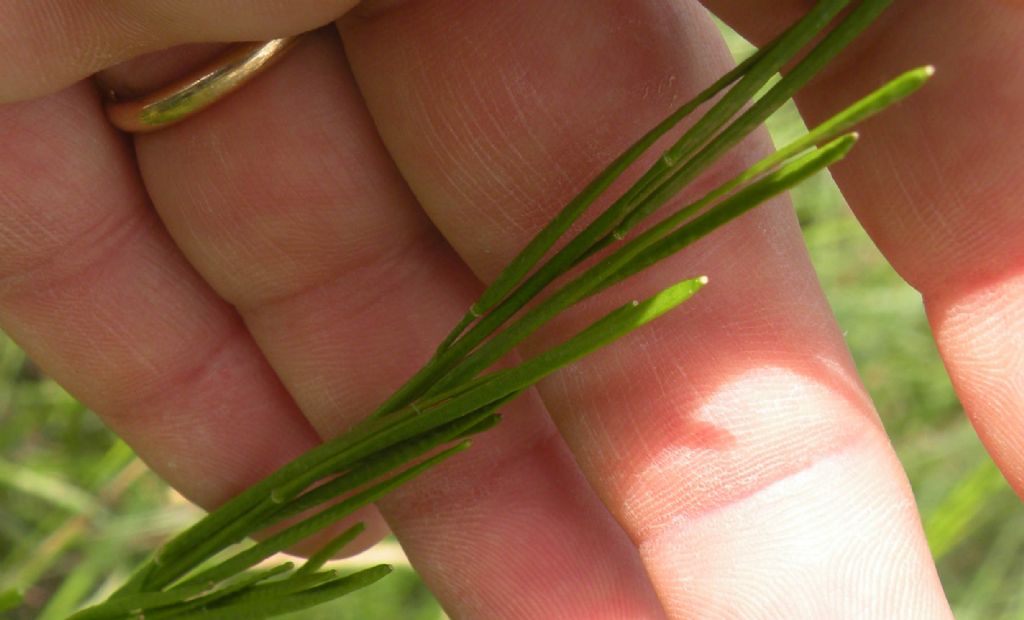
{"x":760,"y":427}
{"x":794,"y":549}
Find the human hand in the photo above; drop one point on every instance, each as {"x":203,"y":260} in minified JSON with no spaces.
{"x":723,"y":462}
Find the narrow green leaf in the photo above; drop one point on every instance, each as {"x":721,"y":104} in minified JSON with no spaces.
{"x":385,"y":457}
{"x":183,"y":596}
{"x":736,"y":205}
{"x":164,"y":572}
{"x":487,"y":423}
{"x":834,"y":42}
{"x":390,"y":436}
{"x":254,"y":508}
{"x":266,"y":593}
{"x":328,"y":551}
{"x":293,"y":602}
{"x":229,"y":524}
{"x":889,"y":94}
{"x":244,"y":582}
{"x":786,"y":48}
{"x":616,"y":324}
{"x":330,"y":515}
{"x":249,"y":511}
{"x":501,"y":384}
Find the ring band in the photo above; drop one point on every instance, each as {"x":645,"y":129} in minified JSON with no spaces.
{"x":198,"y":90}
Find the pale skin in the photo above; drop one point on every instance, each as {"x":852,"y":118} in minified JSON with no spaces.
{"x":226,"y":292}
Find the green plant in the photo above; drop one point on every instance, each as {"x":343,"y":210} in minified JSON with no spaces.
{"x":449,"y":399}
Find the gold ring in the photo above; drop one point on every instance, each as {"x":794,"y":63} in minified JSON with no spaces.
{"x":198,"y":90}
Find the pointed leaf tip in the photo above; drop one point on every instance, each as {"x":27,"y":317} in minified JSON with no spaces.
{"x":838,"y":148}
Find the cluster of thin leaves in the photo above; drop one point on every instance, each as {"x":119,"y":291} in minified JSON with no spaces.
{"x":429,"y":418}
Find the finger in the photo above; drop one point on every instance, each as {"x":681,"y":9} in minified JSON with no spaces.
{"x":732,"y":439}
{"x":937,"y":185}
{"x":285,"y":200}
{"x":92,"y":287}
{"x":46,"y":45}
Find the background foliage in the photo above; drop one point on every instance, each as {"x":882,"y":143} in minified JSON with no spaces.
{"x":78,"y":510}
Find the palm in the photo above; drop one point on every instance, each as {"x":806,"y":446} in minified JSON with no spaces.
{"x":319,"y":232}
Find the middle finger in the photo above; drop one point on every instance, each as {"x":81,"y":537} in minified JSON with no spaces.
{"x":731,"y":439}
{"x":284,"y":198}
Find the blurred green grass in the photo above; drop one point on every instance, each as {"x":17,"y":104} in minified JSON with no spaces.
{"x":77,"y":510}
